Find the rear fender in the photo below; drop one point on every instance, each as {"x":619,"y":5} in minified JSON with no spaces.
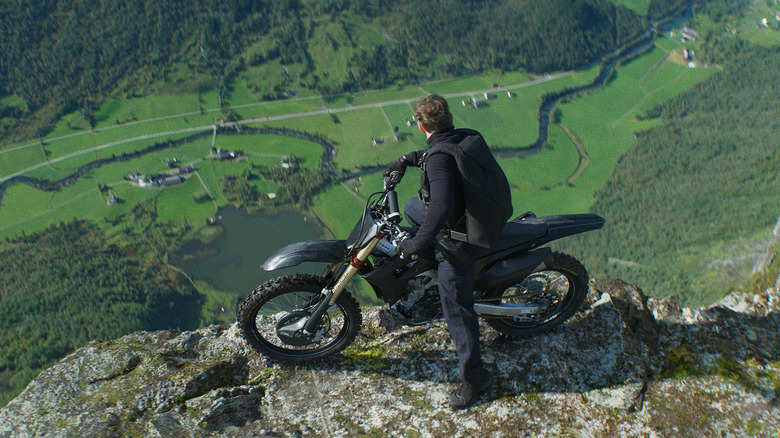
{"x":327,"y":251}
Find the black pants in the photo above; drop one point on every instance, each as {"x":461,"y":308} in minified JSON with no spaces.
{"x":456,"y":291}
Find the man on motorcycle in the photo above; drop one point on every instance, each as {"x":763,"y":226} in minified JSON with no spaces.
{"x":438,"y":215}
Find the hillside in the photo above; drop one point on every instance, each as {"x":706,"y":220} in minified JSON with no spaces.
{"x":66,"y":286}
{"x":62,"y":56}
{"x":626,"y":365}
{"x":691,"y":204}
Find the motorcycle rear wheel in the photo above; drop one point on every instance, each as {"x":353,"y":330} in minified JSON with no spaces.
{"x":284,"y":300}
{"x":563,"y":286}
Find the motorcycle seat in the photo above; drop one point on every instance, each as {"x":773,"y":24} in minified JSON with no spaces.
{"x":515,"y":233}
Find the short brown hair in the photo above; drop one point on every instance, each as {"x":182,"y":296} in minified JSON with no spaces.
{"x":433,"y":113}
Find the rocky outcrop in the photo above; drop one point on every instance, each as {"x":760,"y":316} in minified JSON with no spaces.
{"x":626,"y":365}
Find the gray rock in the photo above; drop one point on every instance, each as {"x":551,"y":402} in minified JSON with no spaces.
{"x":625,"y":365}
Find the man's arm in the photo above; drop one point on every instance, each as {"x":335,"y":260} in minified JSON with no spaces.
{"x":443,"y":179}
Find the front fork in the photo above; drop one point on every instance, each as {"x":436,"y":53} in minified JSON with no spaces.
{"x":332,"y":294}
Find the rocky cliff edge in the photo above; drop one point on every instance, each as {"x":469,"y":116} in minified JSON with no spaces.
{"x":625,"y":365}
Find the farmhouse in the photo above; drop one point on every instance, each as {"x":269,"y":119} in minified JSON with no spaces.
{"x":186,"y":169}
{"x":171,"y":180}
{"x":224,"y":154}
{"x":689,"y":35}
{"x":473,"y":102}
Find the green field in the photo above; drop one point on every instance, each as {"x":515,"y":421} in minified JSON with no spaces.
{"x":365,"y":129}
{"x":368,"y":129}
{"x":638,"y":6}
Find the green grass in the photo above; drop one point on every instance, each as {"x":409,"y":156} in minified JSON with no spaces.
{"x":749,"y":30}
{"x":187,"y":201}
{"x":338,"y":208}
{"x":638,"y":6}
{"x":21,"y":203}
{"x":481,"y":82}
{"x":218,"y":307}
{"x":274,"y":147}
{"x":16,"y":160}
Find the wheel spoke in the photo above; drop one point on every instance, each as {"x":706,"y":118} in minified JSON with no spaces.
{"x":272,"y":319}
{"x":558,"y":290}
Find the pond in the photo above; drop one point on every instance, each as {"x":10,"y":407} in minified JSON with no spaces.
{"x":232,"y":261}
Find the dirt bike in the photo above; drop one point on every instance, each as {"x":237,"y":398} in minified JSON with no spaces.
{"x":521,"y":288}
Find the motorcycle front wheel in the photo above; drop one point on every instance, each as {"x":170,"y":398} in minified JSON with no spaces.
{"x":287,"y":300}
{"x":560,"y":289}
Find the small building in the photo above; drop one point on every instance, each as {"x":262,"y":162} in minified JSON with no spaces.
{"x":171,"y":180}
{"x":476,"y":103}
{"x":689,"y":35}
{"x":186,"y":169}
{"x":224,"y":154}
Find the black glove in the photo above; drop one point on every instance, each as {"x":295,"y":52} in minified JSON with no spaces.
{"x":396,"y":166}
{"x":407,"y":247}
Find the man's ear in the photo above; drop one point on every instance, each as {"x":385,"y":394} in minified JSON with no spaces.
{"x":419,"y":125}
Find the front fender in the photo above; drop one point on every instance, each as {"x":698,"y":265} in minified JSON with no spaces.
{"x":330,"y":251}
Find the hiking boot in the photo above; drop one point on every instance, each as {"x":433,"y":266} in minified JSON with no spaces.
{"x":468,"y":391}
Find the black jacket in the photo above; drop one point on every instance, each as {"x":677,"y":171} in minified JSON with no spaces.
{"x":447,"y":204}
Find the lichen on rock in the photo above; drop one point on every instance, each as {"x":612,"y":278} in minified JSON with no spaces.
{"x":625,"y":365}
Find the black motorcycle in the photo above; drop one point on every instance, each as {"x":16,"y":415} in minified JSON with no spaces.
{"x":520,"y":289}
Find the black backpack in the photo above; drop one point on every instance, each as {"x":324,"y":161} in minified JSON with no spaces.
{"x":485,"y":187}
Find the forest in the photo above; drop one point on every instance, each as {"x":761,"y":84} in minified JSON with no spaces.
{"x":718,"y":181}
{"x":65,"y":286}
{"x":62,"y":56}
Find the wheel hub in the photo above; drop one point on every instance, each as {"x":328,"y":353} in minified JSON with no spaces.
{"x":546,"y":300}
{"x":290,"y":329}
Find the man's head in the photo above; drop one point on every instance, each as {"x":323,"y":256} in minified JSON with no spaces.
{"x":433,"y":114}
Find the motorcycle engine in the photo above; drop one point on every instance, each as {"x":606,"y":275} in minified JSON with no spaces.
{"x":421,"y":305}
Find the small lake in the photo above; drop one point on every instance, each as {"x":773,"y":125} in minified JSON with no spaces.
{"x":232,"y":261}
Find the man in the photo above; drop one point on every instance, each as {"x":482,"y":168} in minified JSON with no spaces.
{"x":439,"y":214}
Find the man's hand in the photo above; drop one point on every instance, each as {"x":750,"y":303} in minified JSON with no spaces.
{"x":407,"y":247}
{"x":396,"y":166}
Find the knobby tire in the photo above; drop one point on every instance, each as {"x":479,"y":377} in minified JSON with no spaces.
{"x":283,"y":295}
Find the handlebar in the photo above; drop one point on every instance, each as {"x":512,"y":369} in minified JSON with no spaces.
{"x":391,"y":197}
{"x":392,"y":180}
